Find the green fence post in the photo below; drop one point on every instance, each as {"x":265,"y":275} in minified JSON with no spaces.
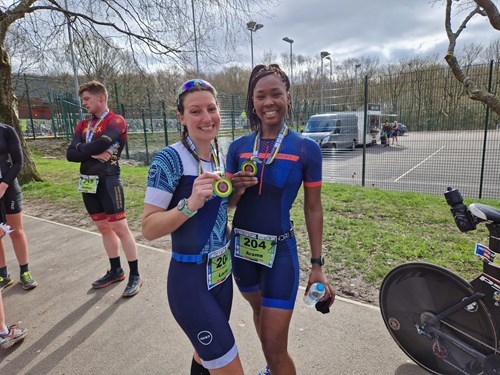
{"x":51,"y":111}
{"x":116,"y":98}
{"x":150,"y":112}
{"x":65,"y":119}
{"x":233,"y":109}
{"x":126,"y":142}
{"x":145,"y":135}
{"x":365,"y":121}
{"x":487,"y":115}
{"x":165,"y":124}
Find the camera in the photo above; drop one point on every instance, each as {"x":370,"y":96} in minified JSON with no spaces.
{"x":463,"y":218}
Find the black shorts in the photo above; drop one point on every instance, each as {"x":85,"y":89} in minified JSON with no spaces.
{"x":108,"y":202}
{"x":12,"y":200}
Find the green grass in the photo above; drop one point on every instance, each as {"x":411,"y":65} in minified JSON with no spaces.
{"x":367,"y":231}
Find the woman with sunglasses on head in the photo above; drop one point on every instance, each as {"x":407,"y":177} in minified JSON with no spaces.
{"x":186,"y":197}
{"x":267,"y":168}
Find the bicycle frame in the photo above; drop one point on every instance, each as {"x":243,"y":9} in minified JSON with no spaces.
{"x":463,"y":329}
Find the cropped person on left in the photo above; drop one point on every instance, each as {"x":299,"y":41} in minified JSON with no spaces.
{"x":11,"y":160}
{"x":9,"y":334}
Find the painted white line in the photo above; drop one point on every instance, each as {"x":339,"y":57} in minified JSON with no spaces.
{"x":362,"y":304}
{"x":419,"y":164}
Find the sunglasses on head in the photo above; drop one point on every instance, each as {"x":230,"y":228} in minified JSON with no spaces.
{"x":190,"y":84}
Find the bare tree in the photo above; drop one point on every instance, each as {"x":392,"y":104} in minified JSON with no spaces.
{"x":485,"y":8}
{"x":159,"y":31}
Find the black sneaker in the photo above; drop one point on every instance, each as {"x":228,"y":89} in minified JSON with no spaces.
{"x":134,"y":284}
{"x":5,"y":282}
{"x":27,"y":281}
{"x":112,"y":276}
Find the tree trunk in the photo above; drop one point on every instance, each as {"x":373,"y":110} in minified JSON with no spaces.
{"x":9,"y":116}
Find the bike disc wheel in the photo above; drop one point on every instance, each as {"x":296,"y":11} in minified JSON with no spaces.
{"x":413,"y":292}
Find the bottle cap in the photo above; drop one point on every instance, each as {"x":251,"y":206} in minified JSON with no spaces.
{"x":320,"y":287}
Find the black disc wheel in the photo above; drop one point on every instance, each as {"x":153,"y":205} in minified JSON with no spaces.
{"x":413,"y":293}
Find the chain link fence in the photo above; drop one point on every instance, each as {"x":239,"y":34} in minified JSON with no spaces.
{"x":444,"y":137}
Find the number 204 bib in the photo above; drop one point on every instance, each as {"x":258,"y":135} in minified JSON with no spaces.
{"x":255,"y":247}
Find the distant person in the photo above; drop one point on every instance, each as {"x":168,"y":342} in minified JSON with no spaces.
{"x":97,"y":144}
{"x":394,"y":133}
{"x":11,"y":160}
{"x":243,"y":119}
{"x":386,"y":132}
{"x":11,"y":334}
{"x":180,"y":201}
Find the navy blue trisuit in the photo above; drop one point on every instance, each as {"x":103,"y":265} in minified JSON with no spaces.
{"x":263,"y":243}
{"x":200,"y":307}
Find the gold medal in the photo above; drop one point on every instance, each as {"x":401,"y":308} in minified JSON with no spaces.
{"x":249,"y":166}
{"x":223,"y":187}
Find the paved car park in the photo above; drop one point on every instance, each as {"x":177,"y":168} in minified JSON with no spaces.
{"x":425,"y":162}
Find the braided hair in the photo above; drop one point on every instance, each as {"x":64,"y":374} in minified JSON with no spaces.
{"x":257,"y":73}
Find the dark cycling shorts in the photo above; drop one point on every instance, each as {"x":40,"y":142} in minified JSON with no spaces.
{"x":108,"y":202}
{"x":12,"y":200}
{"x":279,"y":284}
{"x":202,"y":314}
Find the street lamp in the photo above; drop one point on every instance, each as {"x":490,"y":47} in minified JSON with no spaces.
{"x":253,"y":27}
{"x":73,"y":63}
{"x":323,"y":54}
{"x":331,"y":82}
{"x":195,"y":41}
{"x":356,"y":67}
{"x":290,"y":41}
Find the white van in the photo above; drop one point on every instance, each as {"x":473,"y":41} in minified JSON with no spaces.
{"x":340,"y":130}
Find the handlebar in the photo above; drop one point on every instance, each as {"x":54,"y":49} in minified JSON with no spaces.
{"x":463,"y":218}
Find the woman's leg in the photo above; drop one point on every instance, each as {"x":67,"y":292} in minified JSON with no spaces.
{"x":272,"y":327}
{"x":18,"y":237}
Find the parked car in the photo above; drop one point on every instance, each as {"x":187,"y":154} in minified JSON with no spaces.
{"x":401,"y":129}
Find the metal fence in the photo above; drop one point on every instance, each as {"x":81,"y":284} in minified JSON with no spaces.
{"x":450,"y":140}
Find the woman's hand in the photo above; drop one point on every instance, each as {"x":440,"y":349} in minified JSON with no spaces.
{"x":317,"y":276}
{"x":202,"y":190}
{"x":242,"y":180}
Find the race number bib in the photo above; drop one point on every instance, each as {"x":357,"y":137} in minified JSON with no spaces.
{"x":218,"y":266}
{"x":88,"y":184}
{"x":255,"y":247}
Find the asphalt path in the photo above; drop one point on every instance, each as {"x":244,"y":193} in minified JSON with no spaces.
{"x":74,"y":329}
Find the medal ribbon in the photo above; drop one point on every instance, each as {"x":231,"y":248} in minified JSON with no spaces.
{"x":91,"y":127}
{"x":214,"y":157}
{"x":274,"y":151}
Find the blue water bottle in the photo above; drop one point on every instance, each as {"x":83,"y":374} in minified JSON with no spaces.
{"x":316,"y":292}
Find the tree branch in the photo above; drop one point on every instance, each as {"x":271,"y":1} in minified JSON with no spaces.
{"x":491,"y":12}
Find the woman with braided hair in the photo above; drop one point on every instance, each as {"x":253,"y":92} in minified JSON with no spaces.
{"x":186,"y":197}
{"x":267,"y":168}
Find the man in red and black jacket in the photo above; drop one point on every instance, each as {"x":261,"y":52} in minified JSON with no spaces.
{"x":97,"y":145}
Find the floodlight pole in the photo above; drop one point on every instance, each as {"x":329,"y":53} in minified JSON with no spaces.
{"x":323,"y":54}
{"x":73,"y":62}
{"x":290,"y":41}
{"x":253,"y":27}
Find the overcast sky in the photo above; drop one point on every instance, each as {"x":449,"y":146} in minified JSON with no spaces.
{"x":387,"y":29}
